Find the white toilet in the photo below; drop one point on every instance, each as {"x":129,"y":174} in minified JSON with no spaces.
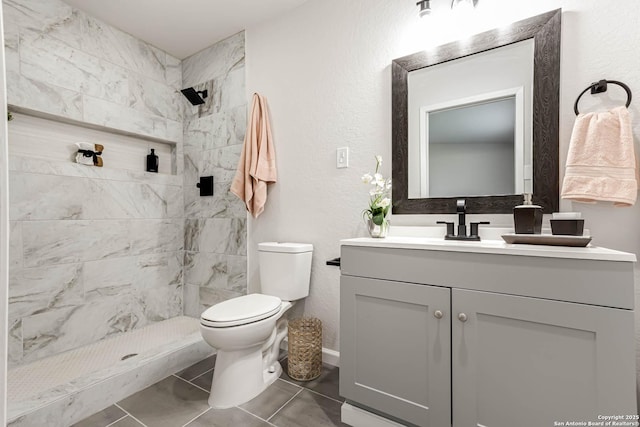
{"x":247,"y":330}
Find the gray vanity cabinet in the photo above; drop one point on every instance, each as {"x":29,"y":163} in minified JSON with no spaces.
{"x":396,"y":347}
{"x":529,"y":362}
{"x":440,"y":338}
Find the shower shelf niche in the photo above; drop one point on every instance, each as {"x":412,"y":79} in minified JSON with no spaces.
{"x":43,"y":136}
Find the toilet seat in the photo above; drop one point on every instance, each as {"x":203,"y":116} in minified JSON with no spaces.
{"x":241,"y":311}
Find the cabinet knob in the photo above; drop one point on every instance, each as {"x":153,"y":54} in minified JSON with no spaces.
{"x":438,"y":314}
{"x":462,"y":317}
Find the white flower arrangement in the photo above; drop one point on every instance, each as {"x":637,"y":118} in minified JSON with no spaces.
{"x":380,"y":200}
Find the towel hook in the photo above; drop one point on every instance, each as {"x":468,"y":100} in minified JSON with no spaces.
{"x":601,"y":86}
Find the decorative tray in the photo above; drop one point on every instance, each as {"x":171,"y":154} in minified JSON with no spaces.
{"x":547,"y":239}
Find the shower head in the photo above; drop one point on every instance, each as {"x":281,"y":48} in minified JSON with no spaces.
{"x":193,"y":96}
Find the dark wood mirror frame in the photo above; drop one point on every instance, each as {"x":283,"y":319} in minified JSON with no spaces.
{"x":545,"y":30}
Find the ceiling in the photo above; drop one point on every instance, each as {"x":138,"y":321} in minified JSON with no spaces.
{"x":183,"y":27}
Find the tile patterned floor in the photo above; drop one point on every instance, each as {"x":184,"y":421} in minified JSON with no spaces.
{"x":181,"y":401}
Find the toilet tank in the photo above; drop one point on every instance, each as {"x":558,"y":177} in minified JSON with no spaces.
{"x":285,"y":269}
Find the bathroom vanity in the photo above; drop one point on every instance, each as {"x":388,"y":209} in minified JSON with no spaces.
{"x":439,"y":333}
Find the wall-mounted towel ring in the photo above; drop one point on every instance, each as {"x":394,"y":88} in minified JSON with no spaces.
{"x":601,"y":86}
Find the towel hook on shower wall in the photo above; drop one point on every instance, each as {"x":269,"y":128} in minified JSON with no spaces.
{"x":601,"y":86}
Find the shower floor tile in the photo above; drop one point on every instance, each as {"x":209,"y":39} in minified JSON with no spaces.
{"x":178,"y":402}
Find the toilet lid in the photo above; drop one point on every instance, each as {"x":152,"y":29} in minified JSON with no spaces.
{"x":242,"y":310}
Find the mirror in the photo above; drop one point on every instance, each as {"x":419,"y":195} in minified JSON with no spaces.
{"x":479,"y":120}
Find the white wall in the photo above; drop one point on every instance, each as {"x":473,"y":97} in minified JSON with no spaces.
{"x":325,"y":70}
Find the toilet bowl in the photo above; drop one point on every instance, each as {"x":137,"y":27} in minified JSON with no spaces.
{"x":247,"y":331}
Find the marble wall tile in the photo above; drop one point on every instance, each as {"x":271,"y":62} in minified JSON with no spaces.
{"x":14,"y":342}
{"x":94,"y":251}
{"x":229,"y":91}
{"x":40,"y":96}
{"x":35,"y":14}
{"x":158,"y":271}
{"x":155,"y":98}
{"x":46,"y":167}
{"x":173,"y":72}
{"x":174,"y":131}
{"x":237,"y":271}
{"x":157,"y":236}
{"x":45,"y":197}
{"x":15,"y":245}
{"x":236,"y":122}
{"x":227,"y":128}
{"x":123,"y":49}
{"x":198,"y":133}
{"x":215,"y":61}
{"x":191,"y":301}
{"x":206,"y":270}
{"x":216,"y":271}
{"x":48,"y":60}
{"x":209,"y":297}
{"x":104,"y":113}
{"x":215,"y":227}
{"x":160,"y":303}
{"x":221,"y":162}
{"x":223,"y":204}
{"x":38,"y":290}
{"x":216,"y":235}
{"x":11,"y":46}
{"x":154,"y":282}
{"x":66,"y":328}
{"x":61,"y":242}
{"x":128,"y":200}
{"x":110,"y":274}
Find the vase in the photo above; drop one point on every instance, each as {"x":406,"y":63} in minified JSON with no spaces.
{"x":378,"y":231}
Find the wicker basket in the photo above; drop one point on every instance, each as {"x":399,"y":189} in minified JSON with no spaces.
{"x":305,"y":349}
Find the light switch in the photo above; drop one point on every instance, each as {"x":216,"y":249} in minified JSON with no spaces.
{"x":342,"y":157}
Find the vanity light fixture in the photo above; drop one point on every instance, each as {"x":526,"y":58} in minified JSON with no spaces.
{"x":425,"y":6}
{"x":455,"y":3}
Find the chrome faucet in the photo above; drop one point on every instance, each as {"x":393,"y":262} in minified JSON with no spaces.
{"x":461,"y":210}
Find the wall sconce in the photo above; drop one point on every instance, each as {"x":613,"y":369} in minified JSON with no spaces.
{"x":425,"y":6}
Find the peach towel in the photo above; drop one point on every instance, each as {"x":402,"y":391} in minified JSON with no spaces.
{"x":601,"y":163}
{"x":257,"y":165}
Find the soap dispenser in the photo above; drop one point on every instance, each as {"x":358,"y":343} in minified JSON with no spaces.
{"x":152,"y":162}
{"x":527,"y":217}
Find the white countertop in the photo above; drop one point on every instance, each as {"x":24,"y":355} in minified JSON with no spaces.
{"x":488,"y":246}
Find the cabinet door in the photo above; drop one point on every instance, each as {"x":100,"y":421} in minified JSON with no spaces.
{"x":395,"y":350}
{"x":528,"y":362}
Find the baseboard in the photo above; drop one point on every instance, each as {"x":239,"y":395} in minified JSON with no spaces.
{"x":357,"y":417}
{"x":330,"y":357}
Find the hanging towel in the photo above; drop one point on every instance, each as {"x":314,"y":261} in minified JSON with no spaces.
{"x":257,"y":165}
{"x":601,"y":163}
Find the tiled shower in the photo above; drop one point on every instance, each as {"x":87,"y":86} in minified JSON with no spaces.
{"x":95,"y":252}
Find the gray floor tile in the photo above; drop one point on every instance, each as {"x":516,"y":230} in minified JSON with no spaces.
{"x":232,"y":417}
{"x":102,"y":418}
{"x":127,"y":422}
{"x":327,"y":383}
{"x":309,"y":409}
{"x":171,"y":402}
{"x":198,"y":369}
{"x":204,"y":380}
{"x":272,"y":399}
